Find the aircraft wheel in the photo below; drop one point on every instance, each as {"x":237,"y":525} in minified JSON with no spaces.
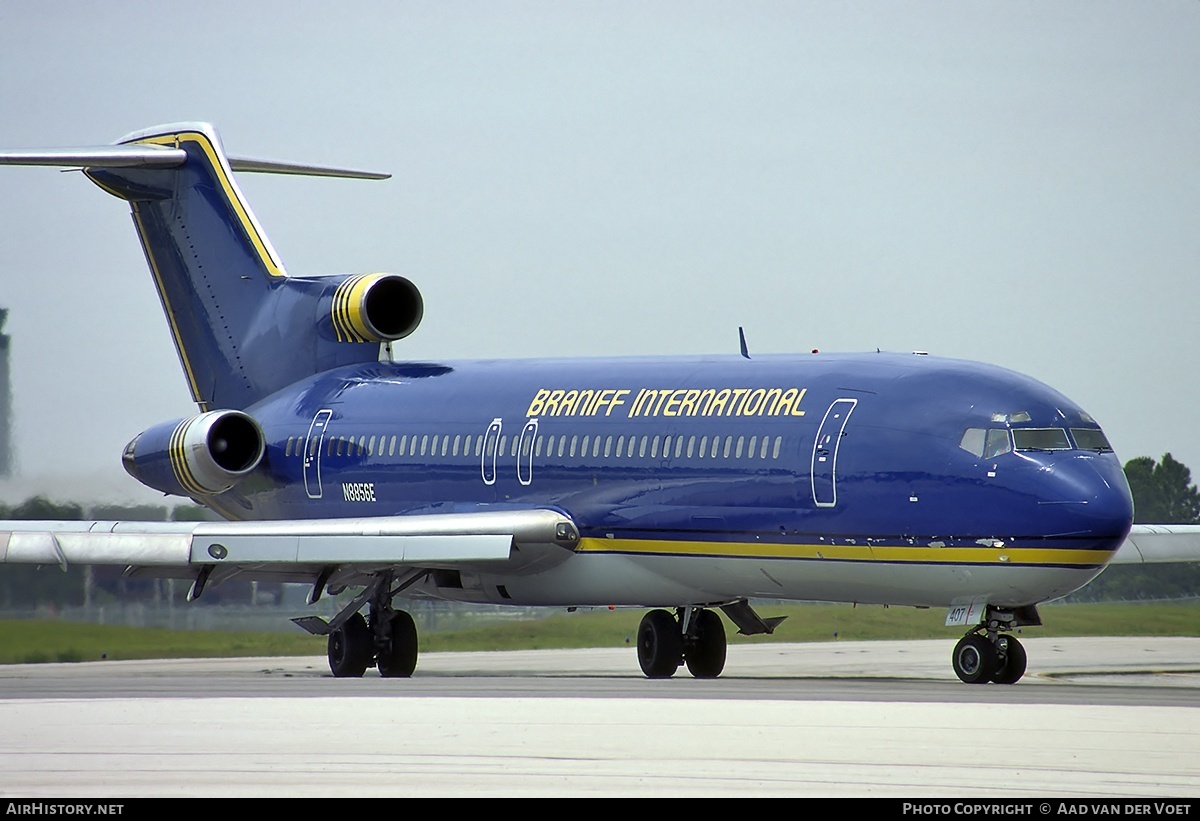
{"x":400,"y":658}
{"x":1012,"y":667}
{"x":660,"y":644}
{"x":975,"y":659}
{"x":704,"y":650}
{"x":350,"y":648}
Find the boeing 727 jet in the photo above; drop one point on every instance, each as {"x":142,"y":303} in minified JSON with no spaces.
{"x":689,"y":486}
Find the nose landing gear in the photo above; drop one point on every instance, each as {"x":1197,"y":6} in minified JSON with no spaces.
{"x":985,"y":655}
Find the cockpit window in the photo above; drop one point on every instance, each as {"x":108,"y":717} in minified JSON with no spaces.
{"x":997,"y":443}
{"x":985,"y":443}
{"x":972,"y":441}
{"x":1090,"y":439}
{"x":1041,"y":439}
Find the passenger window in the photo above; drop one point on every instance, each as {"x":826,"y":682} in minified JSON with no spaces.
{"x":666,"y":447}
{"x":678,"y":446}
{"x":642,"y":449}
{"x":562,"y":445}
{"x":620,"y":445}
{"x":371,"y":446}
{"x":550,"y":446}
{"x":778,"y":444}
{"x":596,"y":447}
{"x":654,"y":448}
{"x":574,"y":444}
{"x":703,"y":445}
{"x":691,"y":446}
{"x":401,"y":447}
{"x":457,"y":442}
{"x":537,"y":451}
{"x":445,"y":444}
{"x":583,"y":449}
{"x":738,"y":454}
{"x":392,"y":446}
{"x":750,"y":448}
{"x":607,"y":447}
{"x":424,"y":443}
{"x":632,"y":441}
{"x":728,"y":445}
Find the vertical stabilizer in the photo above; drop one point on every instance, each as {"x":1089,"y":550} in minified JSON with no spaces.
{"x":243,"y":329}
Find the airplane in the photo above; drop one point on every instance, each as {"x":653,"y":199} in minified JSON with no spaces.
{"x":686,"y":485}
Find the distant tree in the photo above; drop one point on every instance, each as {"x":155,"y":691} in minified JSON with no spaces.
{"x":1163,"y":492}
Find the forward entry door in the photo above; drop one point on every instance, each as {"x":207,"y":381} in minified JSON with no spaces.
{"x":825,"y":451}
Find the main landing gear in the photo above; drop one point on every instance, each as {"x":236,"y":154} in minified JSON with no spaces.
{"x":693,"y":636}
{"x":987,"y":653}
{"x":387,"y":639}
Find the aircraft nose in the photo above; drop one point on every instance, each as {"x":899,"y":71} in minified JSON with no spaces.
{"x":1092,"y":497}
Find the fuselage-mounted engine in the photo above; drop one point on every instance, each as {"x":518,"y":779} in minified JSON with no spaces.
{"x":201,"y":455}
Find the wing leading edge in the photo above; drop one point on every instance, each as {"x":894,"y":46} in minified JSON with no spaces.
{"x":1147,"y":544}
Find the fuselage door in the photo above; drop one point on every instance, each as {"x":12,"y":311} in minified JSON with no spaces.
{"x":825,"y":450}
{"x":525,"y":452}
{"x":491,"y":441}
{"x":312,"y":453}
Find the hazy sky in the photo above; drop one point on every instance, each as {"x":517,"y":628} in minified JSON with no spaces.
{"x":1012,"y":182}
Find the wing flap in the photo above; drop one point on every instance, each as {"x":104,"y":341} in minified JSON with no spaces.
{"x":430,"y":551}
{"x":427,"y":540}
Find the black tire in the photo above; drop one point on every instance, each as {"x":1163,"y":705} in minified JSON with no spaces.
{"x":351,"y":648}
{"x":1011,"y":667}
{"x":400,"y":659}
{"x":975,"y":659}
{"x":660,"y":644}
{"x":704,"y":648}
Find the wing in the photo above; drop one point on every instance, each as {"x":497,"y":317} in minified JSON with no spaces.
{"x":1160,"y":543}
{"x":323,"y":552}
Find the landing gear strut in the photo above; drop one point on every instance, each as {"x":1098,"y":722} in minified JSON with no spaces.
{"x":387,"y":640}
{"x":694,"y":636}
{"x":987,"y":654}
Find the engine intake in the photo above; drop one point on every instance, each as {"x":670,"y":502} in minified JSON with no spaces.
{"x":376,"y":308}
{"x":197,"y":456}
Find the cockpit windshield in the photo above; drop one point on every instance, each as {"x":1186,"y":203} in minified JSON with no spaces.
{"x":1041,"y":439}
{"x":1091,"y":439}
{"x":987,"y":443}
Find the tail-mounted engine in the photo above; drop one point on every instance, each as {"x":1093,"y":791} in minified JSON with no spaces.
{"x":199,"y":456}
{"x":376,"y":308}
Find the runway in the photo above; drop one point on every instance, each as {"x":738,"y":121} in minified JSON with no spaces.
{"x":1094,"y":718}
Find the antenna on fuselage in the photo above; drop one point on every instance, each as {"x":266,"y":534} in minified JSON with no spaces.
{"x":742,"y":341}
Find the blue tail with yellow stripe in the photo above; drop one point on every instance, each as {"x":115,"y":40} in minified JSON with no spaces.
{"x":242,"y":327}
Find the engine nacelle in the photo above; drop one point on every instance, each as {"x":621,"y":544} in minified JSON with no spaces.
{"x":199,"y":456}
{"x":376,"y":308}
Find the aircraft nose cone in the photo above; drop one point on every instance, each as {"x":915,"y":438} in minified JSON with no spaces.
{"x":1093,"y":498}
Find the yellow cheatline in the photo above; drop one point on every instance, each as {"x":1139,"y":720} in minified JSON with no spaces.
{"x":889,"y":554}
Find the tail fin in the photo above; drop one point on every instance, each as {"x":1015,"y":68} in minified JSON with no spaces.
{"x":221,"y":284}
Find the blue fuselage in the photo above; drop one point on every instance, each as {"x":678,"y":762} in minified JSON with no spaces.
{"x":875,"y":463}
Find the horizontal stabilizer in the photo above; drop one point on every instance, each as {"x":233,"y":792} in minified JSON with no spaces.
{"x":140,"y":155}
{"x":109,"y":156}
{"x":276,"y":167}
